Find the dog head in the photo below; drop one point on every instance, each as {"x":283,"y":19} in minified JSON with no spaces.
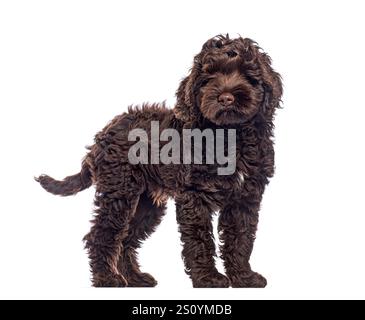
{"x":230,"y":82}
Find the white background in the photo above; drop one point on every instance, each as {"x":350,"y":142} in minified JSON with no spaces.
{"x":68,"y":67}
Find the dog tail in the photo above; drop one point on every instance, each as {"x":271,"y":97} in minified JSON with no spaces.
{"x":69,"y":185}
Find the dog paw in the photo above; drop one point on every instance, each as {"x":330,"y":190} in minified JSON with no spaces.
{"x":141,"y":280}
{"x":109,"y":281}
{"x":248,"y":279}
{"x":211,"y":280}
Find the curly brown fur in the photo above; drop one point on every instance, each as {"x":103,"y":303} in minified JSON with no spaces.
{"x":231,"y":86}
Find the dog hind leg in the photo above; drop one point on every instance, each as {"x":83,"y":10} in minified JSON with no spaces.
{"x":110,"y":227}
{"x":147,"y":217}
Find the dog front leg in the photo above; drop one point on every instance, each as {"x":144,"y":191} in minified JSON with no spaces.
{"x":237,"y":230}
{"x":194,"y":219}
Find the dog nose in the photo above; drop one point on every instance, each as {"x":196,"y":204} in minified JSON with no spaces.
{"x":226,"y":99}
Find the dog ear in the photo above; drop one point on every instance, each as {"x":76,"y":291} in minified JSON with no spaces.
{"x":273,"y":88}
{"x":186,"y":108}
{"x":259,"y":66}
{"x":182,"y":110}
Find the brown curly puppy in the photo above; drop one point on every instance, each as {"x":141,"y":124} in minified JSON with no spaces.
{"x":231,"y":86}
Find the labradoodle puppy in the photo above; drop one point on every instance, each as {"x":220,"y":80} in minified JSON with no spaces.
{"x":231,"y":86}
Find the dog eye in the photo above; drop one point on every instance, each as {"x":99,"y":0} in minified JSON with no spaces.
{"x":253,"y":82}
{"x":231,"y":54}
{"x":204,"y":82}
